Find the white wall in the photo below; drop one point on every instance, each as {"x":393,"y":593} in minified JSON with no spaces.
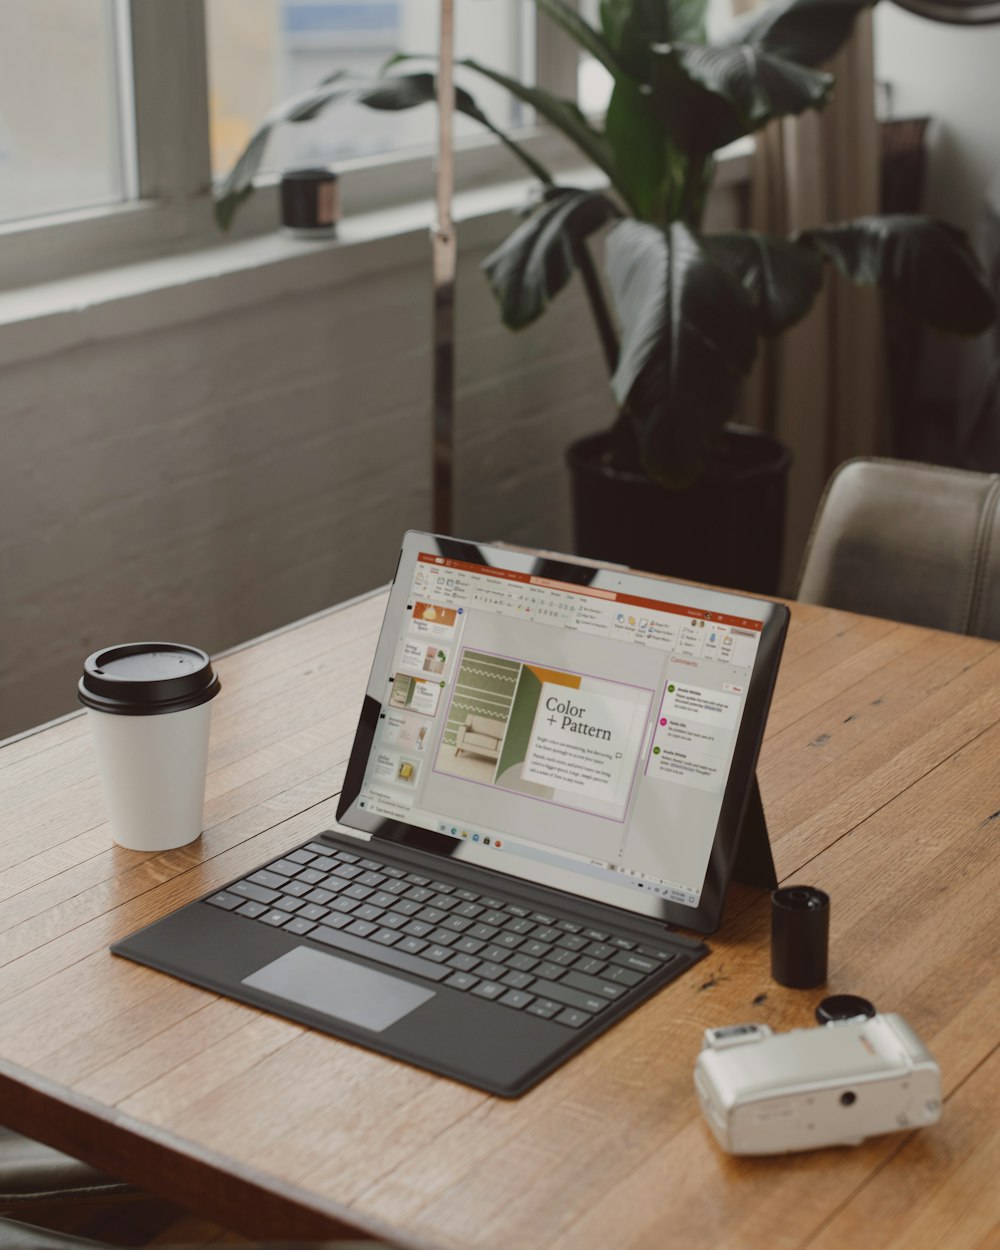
{"x":951,"y":73}
{"x":172,"y":470}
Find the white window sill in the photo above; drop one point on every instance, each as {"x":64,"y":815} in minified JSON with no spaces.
{"x":40,"y":320}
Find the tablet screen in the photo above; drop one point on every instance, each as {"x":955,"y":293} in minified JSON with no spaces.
{"x":583,"y":728}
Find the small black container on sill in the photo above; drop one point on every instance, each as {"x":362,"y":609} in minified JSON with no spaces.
{"x":800,"y":935}
{"x":310,"y":203}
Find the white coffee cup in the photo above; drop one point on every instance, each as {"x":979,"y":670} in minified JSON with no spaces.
{"x":149,"y":705}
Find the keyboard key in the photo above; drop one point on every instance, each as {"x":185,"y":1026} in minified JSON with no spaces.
{"x":299,"y":926}
{"x":490,"y":902}
{"x":443,"y":937}
{"x":520,"y":925}
{"x":442,"y":887}
{"x":363,"y":928}
{"x":468,"y":945}
{"x":515,"y":909}
{"x":600,"y":950}
{"x":360,"y":892}
{"x":313,"y":911}
{"x":396,"y":873}
{"x":418,"y":928}
{"x":623,"y":944}
{"x":549,"y":971}
{"x":395,"y":887}
{"x":391,"y":956}
{"x":284,"y":868}
{"x":492,"y":917}
{"x":464,"y":963}
{"x":517,"y":980}
{"x":381,"y":899}
{"x":536,"y":949}
{"x":287,"y":904}
{"x":593,"y":985}
{"x":596,"y":935}
{"x":543,"y":1007}
{"x":259,"y":893}
{"x":370,"y":864}
{"x":462,"y":981}
{"x":574,"y":1019}
{"x":415,"y":880}
{"x":483,"y":931}
{"x":319,"y":848}
{"x":516,"y":998}
{"x":318,"y":896}
{"x":386,"y":937}
{"x":638,"y":963}
{"x":272,"y":880}
{"x":325,"y":863}
{"x":658,"y":952}
{"x":406,"y":907}
{"x":366,"y":912}
{"x":412,"y":945}
{"x":296,"y":889}
{"x":490,"y":971}
{"x":438,"y":953}
{"x":337,"y":920}
{"x":497,"y":954}
{"x":228,"y":902}
{"x":589,"y":965}
{"x":274,"y":918}
{"x":457,"y":923}
{"x":419,"y":895}
{"x":347,"y":871}
{"x":569,"y":926}
{"x":489,"y":989}
{"x":312,"y":876}
{"x":572,"y":942}
{"x":468,"y":896}
{"x":509,"y":940}
{"x":393,"y":920}
{"x":346,"y":857}
{"x":546,"y":934}
{"x":444,"y":901}
{"x":373,"y":879}
{"x":433,"y":915}
{"x":301,"y":857}
{"x":560,"y":992}
{"x":621,"y":976}
{"x":344,"y":904}
{"x":561,"y":956}
{"x":521,"y":963}
{"x":469,"y":910}
{"x":253,"y":910}
{"x":540,"y":917}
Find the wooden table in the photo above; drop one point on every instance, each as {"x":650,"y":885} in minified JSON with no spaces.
{"x":881,"y":782}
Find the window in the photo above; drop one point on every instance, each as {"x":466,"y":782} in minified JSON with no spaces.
{"x":106,"y":158}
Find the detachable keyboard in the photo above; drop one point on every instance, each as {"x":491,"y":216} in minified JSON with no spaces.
{"x":528,"y":960}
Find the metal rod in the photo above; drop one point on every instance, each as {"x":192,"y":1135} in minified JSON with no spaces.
{"x":444,"y":254}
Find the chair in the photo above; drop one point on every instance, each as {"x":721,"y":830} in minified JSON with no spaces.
{"x":912,"y":542}
{"x":31,"y":1172}
{"x":480,"y":736}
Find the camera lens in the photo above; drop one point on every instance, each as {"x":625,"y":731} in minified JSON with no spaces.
{"x":848,"y":1097}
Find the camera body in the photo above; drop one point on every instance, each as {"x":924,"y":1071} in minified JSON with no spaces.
{"x":770,"y":1093}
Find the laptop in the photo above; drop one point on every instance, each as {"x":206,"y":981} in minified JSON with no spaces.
{"x":552,"y":774}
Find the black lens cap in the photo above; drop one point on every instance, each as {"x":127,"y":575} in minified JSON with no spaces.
{"x":840,"y":1007}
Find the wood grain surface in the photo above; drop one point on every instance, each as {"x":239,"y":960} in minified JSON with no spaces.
{"x":880,"y":779}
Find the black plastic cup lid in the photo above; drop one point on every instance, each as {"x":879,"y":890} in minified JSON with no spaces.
{"x":147,"y":678}
{"x":800,"y":898}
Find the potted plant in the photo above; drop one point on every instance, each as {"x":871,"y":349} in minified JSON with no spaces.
{"x":686,"y":311}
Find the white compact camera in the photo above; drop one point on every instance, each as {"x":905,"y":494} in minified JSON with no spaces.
{"x":770,"y":1093}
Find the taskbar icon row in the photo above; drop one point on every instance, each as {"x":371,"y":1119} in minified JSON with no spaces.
{"x":470,"y":835}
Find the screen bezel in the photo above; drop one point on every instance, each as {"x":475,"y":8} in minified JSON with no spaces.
{"x":703,"y":918}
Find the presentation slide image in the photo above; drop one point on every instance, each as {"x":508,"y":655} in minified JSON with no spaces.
{"x":416,"y":694}
{"x":419,"y":656}
{"x":394,"y":768}
{"x":584,"y":744}
{"x":410,"y":733}
{"x":548,"y":734}
{"x":478,"y":715}
{"x":433,"y":621}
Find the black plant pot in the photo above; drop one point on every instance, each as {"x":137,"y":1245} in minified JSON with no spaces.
{"x":727,"y":528}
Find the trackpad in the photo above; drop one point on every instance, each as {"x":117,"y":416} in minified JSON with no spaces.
{"x":336,"y":987}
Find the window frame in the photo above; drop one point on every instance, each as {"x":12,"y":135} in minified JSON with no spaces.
{"x":169,"y":128}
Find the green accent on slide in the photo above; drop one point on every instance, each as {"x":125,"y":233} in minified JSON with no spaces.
{"x":522,"y":717}
{"x":484,"y":686}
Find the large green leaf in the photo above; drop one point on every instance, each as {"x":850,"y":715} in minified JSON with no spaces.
{"x":688,"y":338}
{"x":925,"y":263}
{"x":563,"y":114}
{"x":644,"y":153}
{"x":632,"y":27}
{"x":532,"y":266}
{"x":807,"y":31}
{"x":782,"y":278}
{"x":757,"y":84}
{"x":568,"y":19}
{"x":238,"y":183}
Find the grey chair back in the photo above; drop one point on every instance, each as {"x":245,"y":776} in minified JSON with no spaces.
{"x":911,"y":542}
